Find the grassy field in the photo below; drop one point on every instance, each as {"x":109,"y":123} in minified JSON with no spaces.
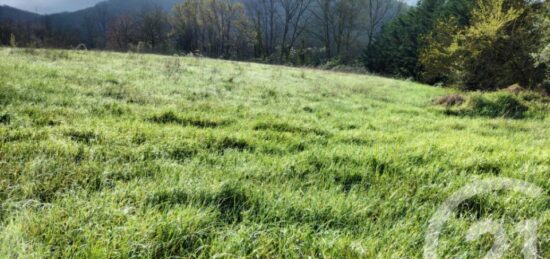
{"x":128,"y":155}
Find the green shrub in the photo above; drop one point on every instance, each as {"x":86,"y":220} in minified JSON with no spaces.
{"x":531,"y":96}
{"x":501,"y":105}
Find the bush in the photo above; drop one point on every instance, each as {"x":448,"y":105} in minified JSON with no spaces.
{"x":502,"y":105}
{"x":531,"y":96}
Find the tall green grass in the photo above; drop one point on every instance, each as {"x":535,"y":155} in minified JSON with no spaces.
{"x":126,"y":155}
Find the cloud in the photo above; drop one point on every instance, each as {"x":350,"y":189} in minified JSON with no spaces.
{"x":49,"y":6}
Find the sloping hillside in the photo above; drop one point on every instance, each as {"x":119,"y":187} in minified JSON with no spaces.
{"x":110,"y":9}
{"x":14,"y":14}
{"x":128,"y":155}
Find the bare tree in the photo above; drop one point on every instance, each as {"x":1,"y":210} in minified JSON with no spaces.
{"x":120,"y":33}
{"x":152,"y":26}
{"x":265,"y":19}
{"x":186,"y":25}
{"x":215,"y":27}
{"x":380,"y":11}
{"x":293,"y":23}
{"x":347,"y":25}
{"x":324,"y":23}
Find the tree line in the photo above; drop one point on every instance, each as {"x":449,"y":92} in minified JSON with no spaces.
{"x":298,"y":32}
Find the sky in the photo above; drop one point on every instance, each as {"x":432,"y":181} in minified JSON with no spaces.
{"x":55,"y":6}
{"x":49,"y":6}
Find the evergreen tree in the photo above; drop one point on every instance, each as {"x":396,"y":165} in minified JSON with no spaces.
{"x":397,"y":50}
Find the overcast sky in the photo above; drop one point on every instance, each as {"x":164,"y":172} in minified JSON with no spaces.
{"x":49,"y":6}
{"x":55,"y":6}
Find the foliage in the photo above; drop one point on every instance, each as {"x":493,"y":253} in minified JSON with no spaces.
{"x":438,"y":55}
{"x":396,"y":51}
{"x":500,"y":105}
{"x":486,"y":44}
{"x":493,"y":51}
{"x":542,"y":56}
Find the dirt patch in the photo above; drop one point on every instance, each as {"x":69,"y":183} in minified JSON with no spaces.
{"x":450,"y":100}
{"x":514,"y":89}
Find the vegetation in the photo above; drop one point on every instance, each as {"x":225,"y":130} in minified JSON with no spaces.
{"x":542,"y":57}
{"x":492,"y":52}
{"x":297,"y":32}
{"x":483,"y":45}
{"x":396,"y":50}
{"x":129,"y":155}
{"x":472,"y":45}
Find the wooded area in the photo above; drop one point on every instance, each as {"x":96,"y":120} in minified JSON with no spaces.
{"x":297,"y":32}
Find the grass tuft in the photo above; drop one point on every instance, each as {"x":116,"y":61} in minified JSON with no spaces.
{"x":5,"y":119}
{"x":86,"y":137}
{"x":170,"y":117}
{"x":230,"y":143}
{"x":286,"y":127}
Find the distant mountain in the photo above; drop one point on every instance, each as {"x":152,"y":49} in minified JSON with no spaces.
{"x":108,"y":9}
{"x":123,"y":6}
{"x":88,"y":23}
{"x":14,"y":14}
{"x":86,"y":26}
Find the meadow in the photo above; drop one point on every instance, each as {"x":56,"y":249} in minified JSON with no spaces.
{"x":106,"y":155}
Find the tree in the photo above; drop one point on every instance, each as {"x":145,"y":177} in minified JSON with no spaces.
{"x":152,"y":27}
{"x":216,"y":28}
{"x":293,"y":23}
{"x":324,"y":18}
{"x":6,"y":30}
{"x":121,"y":33}
{"x":380,"y":11}
{"x":339,"y":26}
{"x":265,"y":19}
{"x":542,"y":56}
{"x":491,"y":52}
{"x":348,"y":17}
{"x":187,"y":27}
{"x":397,"y":49}
{"x":437,"y":56}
